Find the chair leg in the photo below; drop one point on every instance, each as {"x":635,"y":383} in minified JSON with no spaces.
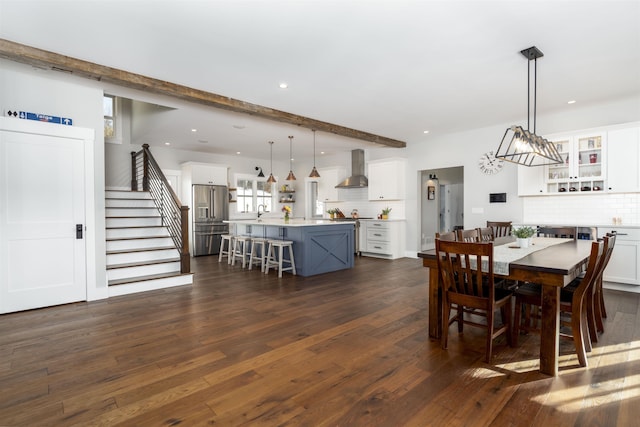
{"x":446,"y":312}
{"x":460,"y":317}
{"x":591,"y":319}
{"x":579,"y":339}
{"x":489,"y":348}
{"x":603,"y":309}
{"x":506,"y":319}
{"x":517,"y":313}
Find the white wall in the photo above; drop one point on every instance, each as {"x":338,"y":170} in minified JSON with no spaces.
{"x":28,"y":89}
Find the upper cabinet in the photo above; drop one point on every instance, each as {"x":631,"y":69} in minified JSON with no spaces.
{"x":329,"y":178}
{"x":584,"y":167}
{"x":623,"y":157}
{"x":387,"y":179}
{"x":203,"y":173}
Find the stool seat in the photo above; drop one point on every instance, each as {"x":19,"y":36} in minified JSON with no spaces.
{"x":229,"y":239}
{"x":276,"y":259}
{"x":240,"y":249}
{"x":262,"y":244}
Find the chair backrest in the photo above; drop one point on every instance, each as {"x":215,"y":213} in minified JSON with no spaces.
{"x":500,"y":228}
{"x":486,"y":234}
{"x":470,"y":235}
{"x":449,"y":236}
{"x":610,"y":240}
{"x":564,"y":232}
{"x":590,"y":277}
{"x":455,"y":266}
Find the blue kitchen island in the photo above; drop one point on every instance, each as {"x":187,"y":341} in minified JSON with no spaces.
{"x":319,"y":246}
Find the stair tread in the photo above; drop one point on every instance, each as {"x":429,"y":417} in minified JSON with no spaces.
{"x":116,"y":282}
{"x":135,"y":226}
{"x":143,"y":263}
{"x":130,"y":207}
{"x":144,"y":216}
{"x":117,"y":239}
{"x":124,"y":251}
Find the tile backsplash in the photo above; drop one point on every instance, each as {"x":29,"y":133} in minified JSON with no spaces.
{"x":582,"y":209}
{"x":358,"y":198}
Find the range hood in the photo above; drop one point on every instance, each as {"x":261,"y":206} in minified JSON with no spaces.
{"x":357,"y":178}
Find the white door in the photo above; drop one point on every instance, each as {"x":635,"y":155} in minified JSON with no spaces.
{"x":42,"y":205}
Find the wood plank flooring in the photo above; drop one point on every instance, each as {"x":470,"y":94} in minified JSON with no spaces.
{"x":342,"y":349}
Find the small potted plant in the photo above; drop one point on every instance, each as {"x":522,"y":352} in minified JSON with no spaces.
{"x":385,"y":212}
{"x":331,"y":212}
{"x":523,"y":235}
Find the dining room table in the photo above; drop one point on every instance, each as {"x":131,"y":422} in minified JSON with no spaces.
{"x":552,"y":263}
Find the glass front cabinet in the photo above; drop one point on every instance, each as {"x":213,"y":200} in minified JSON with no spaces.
{"x":583,"y":168}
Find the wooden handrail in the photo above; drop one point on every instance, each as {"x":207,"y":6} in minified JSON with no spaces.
{"x":175,"y":216}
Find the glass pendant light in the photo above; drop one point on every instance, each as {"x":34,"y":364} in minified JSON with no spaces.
{"x":291,"y":176}
{"x":271,"y":179}
{"x":314,"y":172}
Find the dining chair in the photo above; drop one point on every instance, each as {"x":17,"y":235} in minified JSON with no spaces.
{"x":465,"y":288}
{"x":470,"y":235}
{"x":450,"y":236}
{"x":597,"y":308}
{"x":573,"y":304}
{"x":500,"y":228}
{"x":486,"y":234}
{"x":558,"y":232}
{"x":601,"y":307}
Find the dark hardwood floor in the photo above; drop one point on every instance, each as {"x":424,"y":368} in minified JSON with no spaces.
{"x":341,"y":349}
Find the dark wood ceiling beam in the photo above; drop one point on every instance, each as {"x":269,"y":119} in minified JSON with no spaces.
{"x":54,"y":61}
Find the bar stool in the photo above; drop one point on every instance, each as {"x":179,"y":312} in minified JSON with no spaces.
{"x":260,"y":243}
{"x":276,"y":262}
{"x":240,"y":249}
{"x":229,"y":239}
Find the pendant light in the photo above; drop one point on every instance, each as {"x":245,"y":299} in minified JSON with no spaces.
{"x":271,"y":179}
{"x":291,"y":176}
{"x":521,"y":146}
{"x":260,"y":174}
{"x":314,"y":172}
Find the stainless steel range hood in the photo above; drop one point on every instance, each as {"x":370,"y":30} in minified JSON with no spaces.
{"x":357,"y":178}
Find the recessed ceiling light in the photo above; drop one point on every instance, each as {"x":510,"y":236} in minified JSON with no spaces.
{"x":167,"y":143}
{"x":194,"y":130}
{"x":283,"y":85}
{"x":237,"y":152}
{"x":202,"y":141}
{"x":426,"y":131}
{"x":239,"y":126}
{"x":322,"y":152}
{"x":571,"y":102}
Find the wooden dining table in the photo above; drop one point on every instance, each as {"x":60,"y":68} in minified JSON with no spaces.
{"x":552,"y":267}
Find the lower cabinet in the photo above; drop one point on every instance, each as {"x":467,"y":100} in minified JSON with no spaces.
{"x":382,"y":238}
{"x":624,"y":264}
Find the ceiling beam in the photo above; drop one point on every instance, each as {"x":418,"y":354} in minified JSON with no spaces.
{"x":54,"y":61}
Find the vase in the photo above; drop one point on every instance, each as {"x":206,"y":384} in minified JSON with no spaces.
{"x":286,"y":219}
{"x":523,"y":243}
{"x":385,"y":216}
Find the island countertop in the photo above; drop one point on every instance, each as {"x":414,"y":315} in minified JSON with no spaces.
{"x":294,"y":222}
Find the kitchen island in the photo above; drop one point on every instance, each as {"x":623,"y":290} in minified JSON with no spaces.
{"x":319,"y":246}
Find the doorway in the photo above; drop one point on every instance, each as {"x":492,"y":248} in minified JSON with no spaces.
{"x":42,"y":225}
{"x":441,"y":202}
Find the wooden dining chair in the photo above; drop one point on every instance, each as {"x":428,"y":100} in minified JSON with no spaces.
{"x":500,"y":228}
{"x":486,"y":234}
{"x":470,"y":235}
{"x":450,"y":236}
{"x":597,"y":308}
{"x":573,"y":304}
{"x":468,"y":289}
{"x":558,"y":232}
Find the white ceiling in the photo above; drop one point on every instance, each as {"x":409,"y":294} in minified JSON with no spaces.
{"x":390,"y":67}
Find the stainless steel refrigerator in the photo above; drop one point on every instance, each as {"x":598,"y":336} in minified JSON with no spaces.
{"x":210,"y":208}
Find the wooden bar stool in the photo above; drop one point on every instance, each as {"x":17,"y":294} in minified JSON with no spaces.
{"x":276,"y":262}
{"x":240,"y":249}
{"x":229,"y":239}
{"x":258,"y":243}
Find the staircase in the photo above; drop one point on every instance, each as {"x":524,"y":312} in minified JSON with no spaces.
{"x":141,"y":255}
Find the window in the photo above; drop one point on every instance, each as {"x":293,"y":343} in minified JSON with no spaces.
{"x":109,"y":110}
{"x":316,"y":205}
{"x":254,"y":193}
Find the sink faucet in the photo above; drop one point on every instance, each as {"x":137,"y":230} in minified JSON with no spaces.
{"x":264,"y":210}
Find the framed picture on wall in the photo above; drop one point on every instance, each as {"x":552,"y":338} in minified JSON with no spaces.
{"x":431,"y":192}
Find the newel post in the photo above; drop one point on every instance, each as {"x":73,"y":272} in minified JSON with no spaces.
{"x":185,"y":257}
{"x":134,"y":180}
{"x":145,"y":167}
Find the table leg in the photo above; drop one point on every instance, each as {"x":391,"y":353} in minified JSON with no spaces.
{"x":550,"y":330}
{"x":435,"y":304}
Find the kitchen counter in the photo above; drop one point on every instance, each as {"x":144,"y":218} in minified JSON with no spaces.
{"x":319,"y":246}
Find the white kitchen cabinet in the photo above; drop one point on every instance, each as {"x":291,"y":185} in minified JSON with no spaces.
{"x":329,"y":178}
{"x":382,"y":238}
{"x":624,"y":264}
{"x":623,"y":155}
{"x":584,"y":167}
{"x":204,"y":173}
{"x":387,"y":179}
{"x":531,"y":181}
